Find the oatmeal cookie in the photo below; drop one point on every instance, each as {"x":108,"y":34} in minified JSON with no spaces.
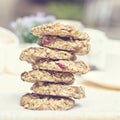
{"x":47,"y":76}
{"x":58,"y":29}
{"x":34,"y":54}
{"x":62,"y":66}
{"x":76,"y":46}
{"x":44,"y":88}
{"x":34,"y":101}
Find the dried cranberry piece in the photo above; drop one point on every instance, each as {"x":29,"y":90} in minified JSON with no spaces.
{"x":61,"y":66}
{"x":71,"y":39}
{"x":46,"y":41}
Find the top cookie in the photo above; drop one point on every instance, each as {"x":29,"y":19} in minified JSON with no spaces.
{"x":61,"y":30}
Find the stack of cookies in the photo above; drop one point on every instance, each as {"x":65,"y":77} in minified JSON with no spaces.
{"x":54,"y":66}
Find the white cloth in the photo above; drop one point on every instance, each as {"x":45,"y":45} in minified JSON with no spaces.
{"x":98,"y":105}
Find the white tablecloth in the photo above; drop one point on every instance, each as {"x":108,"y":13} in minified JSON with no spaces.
{"x":98,"y":104}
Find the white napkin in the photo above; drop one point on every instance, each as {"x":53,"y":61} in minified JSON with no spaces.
{"x":8,"y":41}
{"x":98,"y":51}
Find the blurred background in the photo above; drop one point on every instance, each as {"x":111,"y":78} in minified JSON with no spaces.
{"x":101,"y":14}
{"x":99,"y":18}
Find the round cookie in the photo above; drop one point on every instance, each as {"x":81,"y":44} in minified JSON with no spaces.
{"x":34,"y":54}
{"x":61,"y":90}
{"x":58,"y":29}
{"x":33,"y":101}
{"x":62,"y":66}
{"x":76,"y":46}
{"x":47,"y":76}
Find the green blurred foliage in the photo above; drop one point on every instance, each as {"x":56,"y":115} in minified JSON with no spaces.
{"x":66,"y":10}
{"x":27,"y":36}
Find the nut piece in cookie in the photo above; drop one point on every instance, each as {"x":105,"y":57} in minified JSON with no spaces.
{"x":33,"y":101}
{"x":44,"y":88}
{"x":47,"y":76}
